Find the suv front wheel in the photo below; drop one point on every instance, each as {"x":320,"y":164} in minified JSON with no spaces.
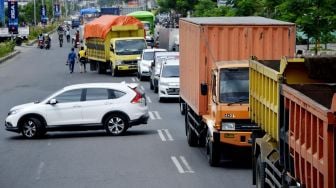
{"x":116,"y":124}
{"x":32,"y":128}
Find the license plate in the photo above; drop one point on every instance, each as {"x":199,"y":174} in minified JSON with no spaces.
{"x":228,"y":135}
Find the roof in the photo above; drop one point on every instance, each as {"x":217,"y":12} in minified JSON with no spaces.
{"x":99,"y":27}
{"x":141,"y":14}
{"x":248,"y":20}
{"x":94,"y":85}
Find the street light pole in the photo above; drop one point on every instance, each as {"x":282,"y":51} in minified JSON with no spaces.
{"x":34,"y":13}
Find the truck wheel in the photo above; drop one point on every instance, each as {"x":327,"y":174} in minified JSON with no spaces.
{"x":260,"y":174}
{"x":191,"y":136}
{"x":101,"y":68}
{"x":212,"y":150}
{"x":93,"y":65}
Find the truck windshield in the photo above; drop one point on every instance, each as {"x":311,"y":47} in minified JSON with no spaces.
{"x":170,"y":71}
{"x":130,"y":46}
{"x":234,"y":85}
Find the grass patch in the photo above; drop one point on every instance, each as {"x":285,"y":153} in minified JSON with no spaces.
{"x":6,"y":48}
{"x":34,"y":32}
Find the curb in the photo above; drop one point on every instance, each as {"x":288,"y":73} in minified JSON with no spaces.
{"x":14,"y":53}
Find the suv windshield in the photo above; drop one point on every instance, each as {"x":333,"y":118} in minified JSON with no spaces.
{"x":130,"y":46}
{"x":148,"y":55}
{"x":234,"y":85}
{"x":170,"y":71}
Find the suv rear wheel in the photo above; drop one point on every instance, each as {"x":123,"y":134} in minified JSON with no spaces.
{"x":116,"y":124}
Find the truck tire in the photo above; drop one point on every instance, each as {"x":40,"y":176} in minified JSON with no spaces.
{"x":101,"y":68}
{"x":191,"y":136}
{"x":260,"y":174}
{"x":93,"y":65}
{"x":213,"y":152}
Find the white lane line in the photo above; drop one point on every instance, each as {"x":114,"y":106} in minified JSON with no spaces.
{"x":170,"y":138}
{"x":186,"y":164}
{"x":151,"y":115}
{"x":157,"y":115}
{"x":137,"y":79}
{"x":142,"y":88}
{"x":133,"y":79}
{"x":177,"y":164}
{"x":149,"y":100}
{"x":39,"y":170}
{"x":161,"y":135}
{"x":49,"y":143}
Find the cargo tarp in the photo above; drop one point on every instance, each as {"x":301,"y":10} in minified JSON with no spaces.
{"x":99,"y":27}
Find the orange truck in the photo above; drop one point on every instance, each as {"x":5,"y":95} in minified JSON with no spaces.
{"x":214,"y":76}
{"x":294,"y":103}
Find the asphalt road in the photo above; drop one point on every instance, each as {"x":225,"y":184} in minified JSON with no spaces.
{"x":153,"y":155}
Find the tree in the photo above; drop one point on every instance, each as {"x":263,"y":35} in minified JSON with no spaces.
{"x":207,"y":8}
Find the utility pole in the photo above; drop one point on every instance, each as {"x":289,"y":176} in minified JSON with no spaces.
{"x":34,"y":12}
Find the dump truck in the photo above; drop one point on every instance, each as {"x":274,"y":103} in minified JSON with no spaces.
{"x":214,"y":77}
{"x":293,"y":101}
{"x":147,"y":18}
{"x":115,"y":43}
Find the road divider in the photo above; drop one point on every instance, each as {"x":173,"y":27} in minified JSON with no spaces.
{"x":165,"y":135}
{"x":182,"y":165}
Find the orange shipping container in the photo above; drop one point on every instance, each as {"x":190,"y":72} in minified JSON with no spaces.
{"x":312,"y":129}
{"x":204,"y":41}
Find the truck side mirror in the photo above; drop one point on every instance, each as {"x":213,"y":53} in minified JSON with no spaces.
{"x":204,"y":88}
{"x":111,"y":49}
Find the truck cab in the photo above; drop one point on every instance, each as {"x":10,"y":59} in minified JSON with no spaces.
{"x":125,"y":52}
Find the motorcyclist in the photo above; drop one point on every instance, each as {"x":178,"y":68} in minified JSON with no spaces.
{"x":67,"y":33}
{"x":40,"y":39}
{"x":47,"y":41}
{"x":60,"y":31}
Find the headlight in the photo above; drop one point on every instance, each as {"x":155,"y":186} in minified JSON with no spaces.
{"x":12,"y":112}
{"x":228,"y":126}
{"x":118,"y":62}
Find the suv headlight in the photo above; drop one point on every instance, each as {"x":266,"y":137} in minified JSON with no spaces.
{"x":228,"y":126}
{"x":12,"y":112}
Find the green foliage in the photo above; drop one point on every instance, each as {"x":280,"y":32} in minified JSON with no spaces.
{"x":35,"y":31}
{"x":208,"y":8}
{"x":6,"y":48}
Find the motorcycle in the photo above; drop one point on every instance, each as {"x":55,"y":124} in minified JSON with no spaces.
{"x":40,"y":44}
{"x":60,"y":40}
{"x":47,"y":45}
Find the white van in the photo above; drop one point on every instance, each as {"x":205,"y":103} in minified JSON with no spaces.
{"x":145,"y":62}
{"x":169,"y":80}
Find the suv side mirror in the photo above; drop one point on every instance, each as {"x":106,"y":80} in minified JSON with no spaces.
{"x":53,"y":101}
{"x":204,"y":88}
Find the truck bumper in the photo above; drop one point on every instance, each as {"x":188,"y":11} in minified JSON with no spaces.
{"x":127,"y":68}
{"x":241,"y":139}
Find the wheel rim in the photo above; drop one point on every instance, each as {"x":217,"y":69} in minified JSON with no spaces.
{"x":29,"y":129}
{"x":116,"y":125}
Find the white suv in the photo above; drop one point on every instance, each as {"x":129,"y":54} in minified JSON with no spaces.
{"x":145,"y":62}
{"x":114,"y":107}
{"x":169,"y":80}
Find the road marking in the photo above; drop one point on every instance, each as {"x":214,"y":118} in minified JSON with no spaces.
{"x":179,"y":165}
{"x":142,"y":88}
{"x":149,"y":100}
{"x":170,"y":138}
{"x":154,"y":115}
{"x":39,"y":170}
{"x":157,"y":115}
{"x":186,"y":164}
{"x":162,"y":133}
{"x":133,"y":79}
{"x":49,"y":143}
{"x":137,"y":79}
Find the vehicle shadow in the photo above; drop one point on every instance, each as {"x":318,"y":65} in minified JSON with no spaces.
{"x":85,"y":134}
{"x":169,"y":100}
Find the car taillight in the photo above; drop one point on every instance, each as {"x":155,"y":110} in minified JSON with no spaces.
{"x":137,"y":98}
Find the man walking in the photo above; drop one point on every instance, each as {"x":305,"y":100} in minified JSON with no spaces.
{"x":71,"y":60}
{"x":82,"y":59}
